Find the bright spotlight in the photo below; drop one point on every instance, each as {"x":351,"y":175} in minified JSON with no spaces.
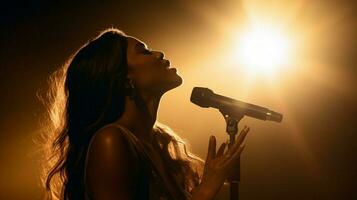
{"x":262,"y":49}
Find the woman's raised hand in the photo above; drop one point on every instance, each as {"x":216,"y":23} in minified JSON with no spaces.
{"x":219,"y":164}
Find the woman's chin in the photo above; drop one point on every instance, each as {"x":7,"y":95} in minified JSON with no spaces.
{"x":173,"y":82}
{"x":177,"y":80}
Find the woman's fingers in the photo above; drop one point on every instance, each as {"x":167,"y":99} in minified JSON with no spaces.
{"x":211,"y":154}
{"x":235,"y":155}
{"x":242,"y":134}
{"x":237,"y":147}
{"x":240,"y":139}
{"x":221,"y":150}
{"x":232,"y":153}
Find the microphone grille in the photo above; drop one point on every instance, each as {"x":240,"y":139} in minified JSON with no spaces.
{"x":201,"y":96}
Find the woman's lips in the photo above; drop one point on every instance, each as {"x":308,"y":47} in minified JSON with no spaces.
{"x":167,"y":63}
{"x":168,"y":66}
{"x":172,"y":68}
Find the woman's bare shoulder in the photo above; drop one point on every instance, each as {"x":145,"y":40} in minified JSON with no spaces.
{"x":110,"y":161}
{"x":110,"y":145}
{"x":108,"y":136}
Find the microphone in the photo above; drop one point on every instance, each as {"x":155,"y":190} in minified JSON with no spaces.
{"x":205,"y":98}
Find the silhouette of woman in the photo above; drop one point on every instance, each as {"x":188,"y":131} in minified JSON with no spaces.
{"x":104,"y":139}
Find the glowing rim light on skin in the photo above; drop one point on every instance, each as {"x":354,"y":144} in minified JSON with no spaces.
{"x":262,"y":50}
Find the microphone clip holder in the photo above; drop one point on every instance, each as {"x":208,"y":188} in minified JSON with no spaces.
{"x":232,"y":131}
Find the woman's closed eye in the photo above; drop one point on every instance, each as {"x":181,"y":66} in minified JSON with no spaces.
{"x":142,"y":48}
{"x":147,"y":51}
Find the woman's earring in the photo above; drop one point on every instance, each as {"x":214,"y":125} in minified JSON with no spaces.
{"x":135,"y":96}
{"x":132,"y":89}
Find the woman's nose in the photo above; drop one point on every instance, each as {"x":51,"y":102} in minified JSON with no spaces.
{"x":160,"y":55}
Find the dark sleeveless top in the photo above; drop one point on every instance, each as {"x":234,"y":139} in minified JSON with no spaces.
{"x":149,"y":185}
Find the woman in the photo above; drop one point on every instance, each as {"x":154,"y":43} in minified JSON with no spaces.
{"x":106,"y":142}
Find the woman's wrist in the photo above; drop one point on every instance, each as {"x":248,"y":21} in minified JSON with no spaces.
{"x":204,"y":192}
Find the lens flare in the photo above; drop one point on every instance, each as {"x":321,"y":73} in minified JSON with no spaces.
{"x":262,"y":49}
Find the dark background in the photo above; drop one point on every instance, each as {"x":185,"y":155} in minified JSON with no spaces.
{"x":36,"y":37}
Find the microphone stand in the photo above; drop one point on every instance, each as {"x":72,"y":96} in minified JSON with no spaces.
{"x":232,"y":130}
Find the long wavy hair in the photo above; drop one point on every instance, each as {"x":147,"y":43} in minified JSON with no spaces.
{"x":85,"y":94}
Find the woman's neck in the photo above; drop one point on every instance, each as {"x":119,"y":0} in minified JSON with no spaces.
{"x":139,"y":121}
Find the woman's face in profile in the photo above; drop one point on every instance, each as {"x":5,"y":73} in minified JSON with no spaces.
{"x":148,"y":69}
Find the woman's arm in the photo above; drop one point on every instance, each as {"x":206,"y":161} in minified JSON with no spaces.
{"x":218,"y":167}
{"x":111,"y":166}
